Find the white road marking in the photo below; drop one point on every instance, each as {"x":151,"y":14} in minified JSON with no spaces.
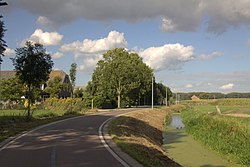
{"x":40,"y":127}
{"x":107,"y":146}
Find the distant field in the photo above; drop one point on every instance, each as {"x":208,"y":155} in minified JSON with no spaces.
{"x":220,"y":102}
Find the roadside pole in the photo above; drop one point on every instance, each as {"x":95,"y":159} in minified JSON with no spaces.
{"x":166,"y":96}
{"x":152,"y":92}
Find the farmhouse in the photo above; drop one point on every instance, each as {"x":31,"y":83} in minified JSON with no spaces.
{"x":195,"y":97}
{"x":64,"y":92}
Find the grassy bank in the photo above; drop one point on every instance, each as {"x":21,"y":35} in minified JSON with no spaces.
{"x":140,"y":135}
{"x":227,"y":135}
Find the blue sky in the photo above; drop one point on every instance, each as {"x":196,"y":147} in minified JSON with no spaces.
{"x":192,"y":45}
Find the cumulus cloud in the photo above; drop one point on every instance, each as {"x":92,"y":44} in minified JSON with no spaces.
{"x":113,"y":40}
{"x":89,"y":64}
{"x":169,"y":56}
{"x":90,"y":51}
{"x":9,"y":52}
{"x":57,"y":55}
{"x":46,"y":38}
{"x":168,"y":25}
{"x":210,"y":56}
{"x":179,"y":15}
{"x":189,"y":86}
{"x":43,"y":21}
{"x":227,"y":86}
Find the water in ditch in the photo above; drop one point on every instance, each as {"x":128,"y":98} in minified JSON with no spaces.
{"x":183,"y":149}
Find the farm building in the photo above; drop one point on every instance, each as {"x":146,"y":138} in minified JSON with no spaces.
{"x":64,"y":93}
{"x":195,"y":98}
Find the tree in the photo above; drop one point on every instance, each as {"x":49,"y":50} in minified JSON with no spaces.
{"x":120,"y":74}
{"x":72,"y":75}
{"x":78,"y":93}
{"x":11,"y":89}
{"x":33,"y":66}
{"x":54,"y":87}
{"x":160,"y":93}
{"x":2,"y":42}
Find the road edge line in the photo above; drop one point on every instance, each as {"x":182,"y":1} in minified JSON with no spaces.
{"x":115,"y":155}
{"x":7,"y":142}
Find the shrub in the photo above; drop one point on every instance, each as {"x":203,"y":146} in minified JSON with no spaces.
{"x":69,"y":105}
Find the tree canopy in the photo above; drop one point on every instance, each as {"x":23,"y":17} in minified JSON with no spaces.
{"x":120,"y":75}
{"x":33,"y":66}
{"x":54,"y":87}
{"x":72,"y":73}
{"x":2,"y":41}
{"x":11,"y":89}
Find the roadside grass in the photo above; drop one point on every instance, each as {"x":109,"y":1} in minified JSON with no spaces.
{"x":224,"y":109}
{"x":13,"y":122}
{"x":227,"y":135}
{"x":139,"y":134}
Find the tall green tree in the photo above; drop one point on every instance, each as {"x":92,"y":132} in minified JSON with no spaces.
{"x":72,"y":74}
{"x":118,"y":74}
{"x":33,"y":66}
{"x":11,"y":89}
{"x":54,"y":87}
{"x":2,"y":41}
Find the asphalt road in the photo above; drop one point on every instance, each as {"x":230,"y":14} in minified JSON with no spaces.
{"x":71,"y":143}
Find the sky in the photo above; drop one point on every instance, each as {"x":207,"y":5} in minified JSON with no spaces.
{"x":192,"y":45}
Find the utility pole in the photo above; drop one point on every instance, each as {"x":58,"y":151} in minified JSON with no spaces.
{"x":152,"y":92}
{"x":176,"y":99}
{"x":166,"y":96}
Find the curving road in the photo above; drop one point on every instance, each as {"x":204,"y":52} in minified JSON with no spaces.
{"x":69,"y":143}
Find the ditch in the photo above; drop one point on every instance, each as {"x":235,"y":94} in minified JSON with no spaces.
{"x":183,"y":149}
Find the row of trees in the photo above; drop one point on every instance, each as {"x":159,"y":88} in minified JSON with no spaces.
{"x":122,"y":79}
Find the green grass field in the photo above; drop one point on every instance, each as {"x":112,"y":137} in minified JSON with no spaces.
{"x":227,"y":134}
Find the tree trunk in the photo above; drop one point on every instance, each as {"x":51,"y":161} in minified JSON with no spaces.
{"x":119,"y":90}
{"x":92,"y":103}
{"x":119,"y":100}
{"x":29,"y":100}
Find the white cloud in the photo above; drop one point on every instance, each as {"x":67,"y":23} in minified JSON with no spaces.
{"x":167,"y":25}
{"x":89,"y":64}
{"x":169,"y":56}
{"x":248,"y":42}
{"x":113,"y":40}
{"x":57,"y":55}
{"x":209,"y":81}
{"x":90,"y":51}
{"x":9,"y":52}
{"x":46,"y":38}
{"x":45,"y":22}
{"x":210,"y":56}
{"x":189,"y":86}
{"x":227,"y":86}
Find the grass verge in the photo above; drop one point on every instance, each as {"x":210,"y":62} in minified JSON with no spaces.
{"x":228,"y":136}
{"x":13,"y":122}
{"x":139,"y":134}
